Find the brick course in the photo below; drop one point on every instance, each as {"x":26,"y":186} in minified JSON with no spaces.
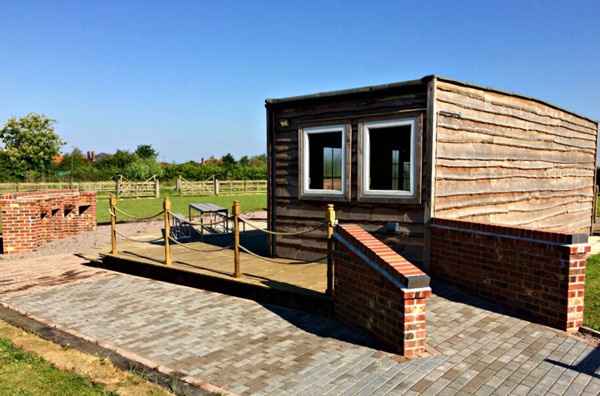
{"x":538,"y":273}
{"x":30,"y":219}
{"x":379,"y":292}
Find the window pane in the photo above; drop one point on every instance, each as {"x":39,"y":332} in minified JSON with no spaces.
{"x":325,"y":161}
{"x":389,"y":158}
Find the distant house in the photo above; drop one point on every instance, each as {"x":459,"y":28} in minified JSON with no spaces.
{"x":392,"y":157}
{"x":211,"y":160}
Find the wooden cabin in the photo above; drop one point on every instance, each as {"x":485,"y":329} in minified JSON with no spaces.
{"x":392,"y":157}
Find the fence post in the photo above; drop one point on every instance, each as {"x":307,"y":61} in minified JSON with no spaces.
{"x":112,"y":203}
{"x":118,"y":185}
{"x":330,"y":219}
{"x":167,"y":209}
{"x":156,"y":188}
{"x":216,"y":186}
{"x":235,"y":211}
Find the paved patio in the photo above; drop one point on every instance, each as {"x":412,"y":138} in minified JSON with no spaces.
{"x":249,"y":348}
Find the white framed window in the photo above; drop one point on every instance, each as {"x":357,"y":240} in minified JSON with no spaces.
{"x":323,"y":161}
{"x":390,"y":161}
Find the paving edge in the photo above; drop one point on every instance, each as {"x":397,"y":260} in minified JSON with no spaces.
{"x":60,"y":334}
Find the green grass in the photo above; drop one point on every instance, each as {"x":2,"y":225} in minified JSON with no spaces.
{"x":25,"y":374}
{"x":592,"y":293}
{"x":144,"y":207}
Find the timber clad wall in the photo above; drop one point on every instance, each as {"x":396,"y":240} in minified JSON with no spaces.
{"x":487,"y":156}
{"x":288,"y":213}
{"x":512,"y":160}
{"x":30,"y":219}
{"x":378,"y":292}
{"x":538,"y":273}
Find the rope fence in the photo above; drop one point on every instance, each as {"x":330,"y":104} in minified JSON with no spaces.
{"x":135,"y":217}
{"x":139,"y":240}
{"x":251,"y":253}
{"x":306,"y":231}
{"x":178,"y":221}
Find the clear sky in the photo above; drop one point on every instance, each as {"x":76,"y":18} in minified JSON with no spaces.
{"x":190,"y":77}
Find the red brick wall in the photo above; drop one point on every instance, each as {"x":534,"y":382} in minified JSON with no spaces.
{"x":32,"y":218}
{"x":378,"y":292}
{"x":539,"y":273}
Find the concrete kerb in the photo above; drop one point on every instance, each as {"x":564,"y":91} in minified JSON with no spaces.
{"x":120,"y":357}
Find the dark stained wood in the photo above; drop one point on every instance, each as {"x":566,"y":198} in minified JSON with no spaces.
{"x":293,"y":213}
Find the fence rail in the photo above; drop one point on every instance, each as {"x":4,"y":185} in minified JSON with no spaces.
{"x":99,"y":187}
{"x":221,"y":187}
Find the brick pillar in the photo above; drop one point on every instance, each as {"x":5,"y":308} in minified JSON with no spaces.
{"x":414,"y":322}
{"x":575,"y":285}
{"x":379,"y":292}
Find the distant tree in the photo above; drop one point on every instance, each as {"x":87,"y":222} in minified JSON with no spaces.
{"x":30,"y":145}
{"x":244,"y":161}
{"x":143,"y":169}
{"x":258,"y":160}
{"x":116,"y":164}
{"x":145,"y":151}
{"x":228,"y":159}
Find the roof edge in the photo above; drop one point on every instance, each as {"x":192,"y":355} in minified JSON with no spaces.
{"x":351,"y":91}
{"x":423,"y":80}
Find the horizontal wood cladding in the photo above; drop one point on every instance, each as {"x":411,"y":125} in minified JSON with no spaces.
{"x":450,"y":202}
{"x":509,"y":109}
{"x":294,"y":214}
{"x":511,"y":160}
{"x":349,"y":109}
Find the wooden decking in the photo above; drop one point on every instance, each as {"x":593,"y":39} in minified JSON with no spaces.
{"x":209,"y":265}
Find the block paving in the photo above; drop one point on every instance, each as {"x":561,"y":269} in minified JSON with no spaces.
{"x":250,"y":348}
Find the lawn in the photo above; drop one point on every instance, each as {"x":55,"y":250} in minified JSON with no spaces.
{"x":25,"y":374}
{"x":150,"y":206}
{"x":592,"y":293}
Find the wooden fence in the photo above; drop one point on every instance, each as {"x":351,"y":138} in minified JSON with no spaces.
{"x":221,"y":187}
{"x":101,"y":188}
{"x":132,"y":189}
{"x":150,"y":188}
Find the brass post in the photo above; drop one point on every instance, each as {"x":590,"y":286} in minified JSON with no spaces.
{"x":330,"y":219}
{"x":112,"y":203}
{"x":167,"y":209}
{"x":235,"y":211}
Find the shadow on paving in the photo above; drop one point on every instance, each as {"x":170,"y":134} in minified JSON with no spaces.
{"x":587,"y":365}
{"x":325,"y":327}
{"x":455,"y":294}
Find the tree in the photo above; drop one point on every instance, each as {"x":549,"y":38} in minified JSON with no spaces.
{"x":115,"y":164}
{"x":30,"y":145}
{"x":145,"y":151}
{"x":228,"y":159}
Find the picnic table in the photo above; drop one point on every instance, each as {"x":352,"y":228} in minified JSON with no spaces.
{"x":214,"y":212}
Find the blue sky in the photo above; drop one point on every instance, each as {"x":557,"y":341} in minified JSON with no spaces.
{"x":190,"y":77}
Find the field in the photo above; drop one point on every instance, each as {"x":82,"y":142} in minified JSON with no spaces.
{"x":144,"y":207}
{"x":592,"y":293}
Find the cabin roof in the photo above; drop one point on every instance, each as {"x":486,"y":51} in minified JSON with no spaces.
{"x":274,"y":102}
